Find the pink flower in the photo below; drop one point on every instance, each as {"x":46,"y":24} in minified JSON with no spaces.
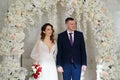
{"x":14,"y":49}
{"x":12,"y":36}
{"x":18,"y":25}
{"x":108,"y":58}
{"x":102,"y":10}
{"x":108,"y":35}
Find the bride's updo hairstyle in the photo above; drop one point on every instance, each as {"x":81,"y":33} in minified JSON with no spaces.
{"x":43,"y":28}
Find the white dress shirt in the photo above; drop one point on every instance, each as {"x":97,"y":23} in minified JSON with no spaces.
{"x":71,"y":34}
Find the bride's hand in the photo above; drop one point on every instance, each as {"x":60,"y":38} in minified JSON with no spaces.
{"x":60,"y":69}
{"x":36,"y":62}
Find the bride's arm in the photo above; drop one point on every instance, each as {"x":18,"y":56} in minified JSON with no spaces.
{"x":36,"y":52}
{"x":55,"y":52}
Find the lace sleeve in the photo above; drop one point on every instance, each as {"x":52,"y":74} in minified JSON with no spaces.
{"x":55,"y":51}
{"x":35,"y":52}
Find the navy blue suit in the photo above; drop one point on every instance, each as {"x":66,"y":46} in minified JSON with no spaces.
{"x":66,"y":52}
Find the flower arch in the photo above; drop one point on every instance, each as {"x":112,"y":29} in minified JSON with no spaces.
{"x":25,"y":13}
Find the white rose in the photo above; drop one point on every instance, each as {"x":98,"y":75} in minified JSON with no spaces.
{"x":33,"y":67}
{"x":34,"y":70}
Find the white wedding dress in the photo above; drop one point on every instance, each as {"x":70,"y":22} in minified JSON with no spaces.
{"x":46,"y":58}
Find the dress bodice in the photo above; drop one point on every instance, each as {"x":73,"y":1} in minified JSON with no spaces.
{"x":46,"y":54}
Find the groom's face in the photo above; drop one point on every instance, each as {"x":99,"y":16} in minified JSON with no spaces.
{"x":71,"y":25}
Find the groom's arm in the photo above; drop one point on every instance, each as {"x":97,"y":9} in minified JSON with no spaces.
{"x":84,"y":56}
{"x":58,"y":60}
{"x":59,"y":53}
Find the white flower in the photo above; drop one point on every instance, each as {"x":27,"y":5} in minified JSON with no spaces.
{"x":34,"y":70}
{"x":33,"y":67}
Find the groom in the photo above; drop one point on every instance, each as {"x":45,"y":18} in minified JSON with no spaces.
{"x":71,"y":56}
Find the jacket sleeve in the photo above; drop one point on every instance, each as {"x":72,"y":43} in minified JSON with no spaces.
{"x":59,"y":51}
{"x":84,"y":56}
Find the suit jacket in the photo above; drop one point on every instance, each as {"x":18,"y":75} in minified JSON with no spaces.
{"x":65,"y":51}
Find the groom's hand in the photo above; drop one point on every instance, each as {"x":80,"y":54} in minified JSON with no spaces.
{"x":84,"y":67}
{"x":60,"y":69}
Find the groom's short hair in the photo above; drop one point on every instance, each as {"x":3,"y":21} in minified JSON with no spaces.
{"x":69,"y":19}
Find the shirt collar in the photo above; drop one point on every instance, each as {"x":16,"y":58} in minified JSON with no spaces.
{"x":70,"y":32}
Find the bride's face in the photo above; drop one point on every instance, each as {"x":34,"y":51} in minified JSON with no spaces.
{"x":48,"y":31}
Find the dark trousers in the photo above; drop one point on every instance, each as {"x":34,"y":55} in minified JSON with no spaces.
{"x":71,"y":71}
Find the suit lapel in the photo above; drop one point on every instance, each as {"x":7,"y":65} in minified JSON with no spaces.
{"x":67,"y":38}
{"x":75,"y":38}
{"x":66,"y":35}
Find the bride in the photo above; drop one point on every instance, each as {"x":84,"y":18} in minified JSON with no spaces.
{"x":44,"y":53}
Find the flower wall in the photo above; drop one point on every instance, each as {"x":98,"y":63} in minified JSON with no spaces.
{"x":25,"y":14}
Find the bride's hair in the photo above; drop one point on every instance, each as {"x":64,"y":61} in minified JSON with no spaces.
{"x":43,"y":28}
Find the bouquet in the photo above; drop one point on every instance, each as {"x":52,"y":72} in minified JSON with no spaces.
{"x":36,"y":71}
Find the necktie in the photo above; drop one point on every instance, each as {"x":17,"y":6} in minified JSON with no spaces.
{"x":71,"y":40}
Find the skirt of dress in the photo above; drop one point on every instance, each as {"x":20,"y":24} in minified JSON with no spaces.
{"x":49,"y":72}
